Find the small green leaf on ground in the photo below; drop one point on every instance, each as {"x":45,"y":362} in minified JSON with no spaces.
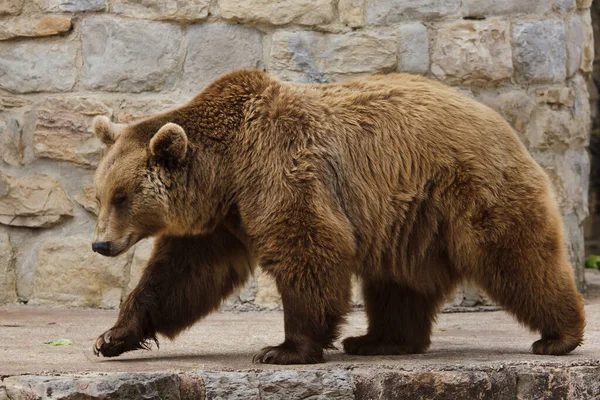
{"x":592,"y":261}
{"x":60,"y":342}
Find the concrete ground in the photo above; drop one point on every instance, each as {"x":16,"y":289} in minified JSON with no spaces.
{"x":485,"y":350}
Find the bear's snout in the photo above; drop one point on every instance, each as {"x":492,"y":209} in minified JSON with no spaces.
{"x":101,"y":248}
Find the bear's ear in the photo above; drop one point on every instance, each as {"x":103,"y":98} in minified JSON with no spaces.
{"x":105,"y":130}
{"x":169,"y":143}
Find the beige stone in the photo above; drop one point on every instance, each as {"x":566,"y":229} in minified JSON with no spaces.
{"x":267,"y":295}
{"x":188,"y":10}
{"x":32,"y":201}
{"x":11,"y":6}
{"x":12,"y":145}
{"x":141,"y":256}
{"x":34,"y":26}
{"x":69,"y":273}
{"x":71,"y":5}
{"x":132,"y":109}
{"x":63,"y":130}
{"x":382,"y":12}
{"x":580,"y":43}
{"x":556,"y":130}
{"x":303,"y":12}
{"x":584,"y":4}
{"x":86,"y":198}
{"x":563,"y":96}
{"x":8,"y":288}
{"x":473,"y":52}
{"x":316,"y":57}
{"x":352,"y":12}
{"x":8,"y":102}
{"x":483,"y":8}
{"x":515,"y":106}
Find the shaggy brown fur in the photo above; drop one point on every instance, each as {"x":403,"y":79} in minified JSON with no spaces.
{"x":399,"y":180}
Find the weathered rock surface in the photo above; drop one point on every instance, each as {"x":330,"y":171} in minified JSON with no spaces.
{"x":473,"y":52}
{"x":413,"y":48}
{"x":352,"y":12}
{"x":141,"y":256}
{"x":580,"y":44}
{"x":63,"y":130}
{"x":13,"y":132}
{"x":484,"y":8}
{"x":392,"y":11}
{"x":71,"y":5}
{"x":34,"y":26}
{"x":131,"y":109}
{"x":70,"y":274}
{"x":303,"y":12}
{"x":540,"y":51}
{"x":316,"y":57}
{"x":86,"y":198}
{"x":206,"y":59}
{"x":129,"y":56}
{"x":8,"y":286}
{"x":185,"y":10}
{"x":11,"y":6}
{"x":37,"y":67}
{"x":36,"y":201}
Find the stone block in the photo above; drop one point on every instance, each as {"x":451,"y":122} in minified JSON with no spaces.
{"x":69,"y":273}
{"x":141,"y":256}
{"x":129,"y":55}
{"x":383,"y":12}
{"x":131,"y":109}
{"x":317,"y":57}
{"x":303,"y":12}
{"x":352,"y":12}
{"x":11,"y":7}
{"x":540,"y":51}
{"x":267,"y":295}
{"x":473,"y":53}
{"x":34,"y":26}
{"x":583,"y":4}
{"x":16,"y":136}
{"x":186,"y":10}
{"x":86,"y":198}
{"x":64,"y":132}
{"x":37,"y":67}
{"x":413,"y":48}
{"x":564,"y":6}
{"x":35,"y":201}
{"x":71,"y":5}
{"x":558,"y":96}
{"x":207,"y":58}
{"x":484,"y":8}
{"x":580,"y":43}
{"x":8,"y":288}
{"x":516,"y":107}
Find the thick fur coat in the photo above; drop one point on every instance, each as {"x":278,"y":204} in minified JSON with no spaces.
{"x":399,"y":180}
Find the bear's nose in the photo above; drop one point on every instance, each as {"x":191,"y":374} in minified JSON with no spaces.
{"x":101,"y":247}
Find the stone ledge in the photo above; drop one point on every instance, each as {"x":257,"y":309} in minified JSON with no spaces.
{"x":573,"y":381}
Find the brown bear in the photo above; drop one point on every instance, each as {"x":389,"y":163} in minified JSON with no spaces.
{"x":399,"y":180}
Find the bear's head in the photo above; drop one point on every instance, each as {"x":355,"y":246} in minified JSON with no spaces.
{"x":136,"y":183}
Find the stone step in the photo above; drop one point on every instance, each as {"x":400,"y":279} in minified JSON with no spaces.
{"x":473,"y":356}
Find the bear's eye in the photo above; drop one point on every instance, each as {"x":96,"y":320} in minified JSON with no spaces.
{"x":119,"y":200}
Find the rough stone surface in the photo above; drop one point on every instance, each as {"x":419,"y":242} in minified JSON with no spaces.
{"x":484,"y":8}
{"x":34,"y":26}
{"x":315,"y":57}
{"x":303,"y":12}
{"x":132,"y":109}
{"x":267,"y":295}
{"x":392,"y":11}
{"x":187,"y":10}
{"x":63,"y":130}
{"x":11,"y":6}
{"x":565,"y":6}
{"x":206,"y":59}
{"x":70,"y":274}
{"x":86,"y":198}
{"x":8,"y":288}
{"x":583,"y":4}
{"x":132,"y":56}
{"x":141,"y":255}
{"x":71,"y":5}
{"x":114,"y":386}
{"x":352,"y":12}
{"x":33,"y":201}
{"x":515,"y":106}
{"x":580,"y":43}
{"x":15,"y":135}
{"x":540,"y":51}
{"x":413,"y":48}
{"x":473,"y":52}
{"x":37,"y":67}
{"x":562,"y":96}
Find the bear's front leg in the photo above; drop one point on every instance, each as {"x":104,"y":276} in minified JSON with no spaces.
{"x":314,"y":283}
{"x":187,"y":277}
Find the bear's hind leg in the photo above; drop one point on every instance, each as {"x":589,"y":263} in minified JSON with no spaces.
{"x":186,"y":278}
{"x":400,"y":320}
{"x":540,"y":292}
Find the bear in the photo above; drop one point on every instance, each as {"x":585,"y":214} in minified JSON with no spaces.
{"x":398,"y":180}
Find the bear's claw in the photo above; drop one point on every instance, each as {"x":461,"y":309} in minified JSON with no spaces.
{"x":286,"y":354}
{"x":113,"y":343}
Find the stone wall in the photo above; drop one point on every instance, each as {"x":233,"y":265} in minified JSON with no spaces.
{"x":62,"y":62}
